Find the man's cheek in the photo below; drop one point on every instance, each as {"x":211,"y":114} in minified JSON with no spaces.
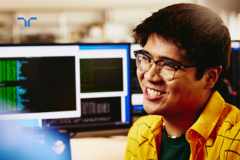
{"x":140,"y":79}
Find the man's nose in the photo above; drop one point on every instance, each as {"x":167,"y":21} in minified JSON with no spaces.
{"x":152,"y":75}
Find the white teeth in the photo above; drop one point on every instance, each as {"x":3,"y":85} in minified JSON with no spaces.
{"x":153,"y":93}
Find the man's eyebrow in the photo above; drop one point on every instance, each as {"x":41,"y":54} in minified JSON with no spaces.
{"x":173,"y":60}
{"x":146,"y":52}
{"x":164,"y":58}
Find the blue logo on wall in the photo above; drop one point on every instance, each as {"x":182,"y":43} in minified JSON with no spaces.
{"x":27,"y":23}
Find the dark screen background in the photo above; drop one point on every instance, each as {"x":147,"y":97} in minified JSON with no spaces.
{"x":49,"y":84}
{"x":101,"y":75}
{"x":230,"y":86}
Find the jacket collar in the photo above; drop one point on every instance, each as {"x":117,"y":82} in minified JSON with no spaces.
{"x":210,"y":116}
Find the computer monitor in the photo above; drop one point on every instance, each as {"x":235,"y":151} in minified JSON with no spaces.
{"x":71,"y":86}
{"x":34,"y":83}
{"x":136,"y":91}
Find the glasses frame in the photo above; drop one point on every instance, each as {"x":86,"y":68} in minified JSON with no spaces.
{"x":177,"y":67}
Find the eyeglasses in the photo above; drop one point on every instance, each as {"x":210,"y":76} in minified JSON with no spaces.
{"x":165,"y":69}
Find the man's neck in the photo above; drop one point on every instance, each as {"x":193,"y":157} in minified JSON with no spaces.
{"x":179,"y":124}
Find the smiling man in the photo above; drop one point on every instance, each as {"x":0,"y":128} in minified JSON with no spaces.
{"x":186,"y":52}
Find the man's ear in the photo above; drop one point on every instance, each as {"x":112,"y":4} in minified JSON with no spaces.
{"x":212,"y":76}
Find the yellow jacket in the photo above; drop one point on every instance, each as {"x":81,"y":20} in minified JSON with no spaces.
{"x":214,"y":136}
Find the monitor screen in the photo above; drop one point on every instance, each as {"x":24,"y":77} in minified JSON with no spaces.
{"x":38,"y":82}
{"x":78,"y":87}
{"x":137,"y":94}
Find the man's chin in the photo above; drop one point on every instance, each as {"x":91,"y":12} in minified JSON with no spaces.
{"x":151,"y":110}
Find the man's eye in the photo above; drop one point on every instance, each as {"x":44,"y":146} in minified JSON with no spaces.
{"x":165,"y":64}
{"x":144,"y":58}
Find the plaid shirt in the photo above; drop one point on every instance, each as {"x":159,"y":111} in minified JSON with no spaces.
{"x":215,"y":135}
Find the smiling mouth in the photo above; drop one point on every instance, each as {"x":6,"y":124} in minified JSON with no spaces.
{"x":154,"y":93}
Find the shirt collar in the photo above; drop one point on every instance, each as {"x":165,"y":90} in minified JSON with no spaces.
{"x":210,"y":116}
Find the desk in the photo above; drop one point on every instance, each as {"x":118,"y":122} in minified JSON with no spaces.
{"x":93,"y":147}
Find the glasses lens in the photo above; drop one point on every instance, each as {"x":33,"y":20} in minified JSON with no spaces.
{"x":166,"y":70}
{"x":142,"y":62}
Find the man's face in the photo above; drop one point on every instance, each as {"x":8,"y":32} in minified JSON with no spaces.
{"x":182,"y":95}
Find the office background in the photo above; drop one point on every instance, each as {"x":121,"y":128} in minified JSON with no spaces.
{"x":93,"y":21}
